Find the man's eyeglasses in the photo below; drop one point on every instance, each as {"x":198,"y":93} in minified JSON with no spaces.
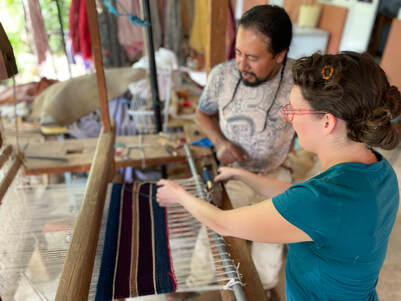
{"x":288,"y":113}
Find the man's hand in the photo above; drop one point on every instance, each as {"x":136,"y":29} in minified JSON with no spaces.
{"x":228,"y":153}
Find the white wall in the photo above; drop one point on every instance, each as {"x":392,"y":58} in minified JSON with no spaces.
{"x":359,"y":24}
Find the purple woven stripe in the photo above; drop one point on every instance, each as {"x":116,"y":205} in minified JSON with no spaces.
{"x":121,"y":283}
{"x":145,"y":265}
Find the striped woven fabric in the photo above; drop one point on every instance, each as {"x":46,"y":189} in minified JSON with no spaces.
{"x":136,"y":259}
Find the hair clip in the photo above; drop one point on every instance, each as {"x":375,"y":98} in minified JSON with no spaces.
{"x":327,"y":72}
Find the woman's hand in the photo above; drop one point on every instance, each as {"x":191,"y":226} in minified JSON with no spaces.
{"x":226,"y":173}
{"x":169,"y":193}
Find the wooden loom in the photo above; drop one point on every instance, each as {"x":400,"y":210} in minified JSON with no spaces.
{"x":76,"y":276}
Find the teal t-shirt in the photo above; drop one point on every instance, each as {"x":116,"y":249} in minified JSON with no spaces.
{"x":349,"y":211}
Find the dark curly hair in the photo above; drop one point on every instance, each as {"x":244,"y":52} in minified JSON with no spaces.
{"x":354,"y":88}
{"x":271,"y":21}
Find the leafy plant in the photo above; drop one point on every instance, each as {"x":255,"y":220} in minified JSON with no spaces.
{"x":12,"y":17}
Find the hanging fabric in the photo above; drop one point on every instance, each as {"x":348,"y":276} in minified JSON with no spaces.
{"x":79,"y":29}
{"x":73,"y":20}
{"x":129,"y":35}
{"x":112,"y":51}
{"x":37,"y":27}
{"x":172,"y":28}
{"x":198,"y":31}
{"x":230,"y":33}
{"x":83,"y":29}
{"x":156,"y":25}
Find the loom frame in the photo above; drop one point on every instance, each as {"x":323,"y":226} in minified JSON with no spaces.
{"x":76,"y":276}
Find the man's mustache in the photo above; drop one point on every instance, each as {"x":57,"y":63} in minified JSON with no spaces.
{"x":249,"y":73}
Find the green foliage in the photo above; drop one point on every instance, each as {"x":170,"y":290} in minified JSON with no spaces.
{"x":52,"y":24}
{"x":13,"y":20}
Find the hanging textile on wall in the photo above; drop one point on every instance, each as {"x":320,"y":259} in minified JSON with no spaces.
{"x":83,"y":29}
{"x":130,"y":268}
{"x":37,"y":27}
{"x":198,"y":31}
{"x":73,"y":20}
{"x":112,"y":51}
{"x":79,"y":29}
{"x":172,"y":29}
{"x":230,"y":33}
{"x":129,"y":35}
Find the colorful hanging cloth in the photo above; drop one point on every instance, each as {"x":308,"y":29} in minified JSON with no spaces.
{"x":37,"y":27}
{"x":79,"y":29}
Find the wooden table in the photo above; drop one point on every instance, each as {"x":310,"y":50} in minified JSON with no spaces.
{"x":77,"y":154}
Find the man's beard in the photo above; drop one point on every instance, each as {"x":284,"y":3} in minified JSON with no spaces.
{"x":257,"y":81}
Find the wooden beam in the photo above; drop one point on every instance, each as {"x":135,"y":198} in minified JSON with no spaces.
{"x":77,"y":271}
{"x":9,"y":177}
{"x":332,"y":19}
{"x":215,"y":51}
{"x":97,"y":53}
{"x":5,"y":154}
{"x":391,"y":61}
{"x":79,"y":154}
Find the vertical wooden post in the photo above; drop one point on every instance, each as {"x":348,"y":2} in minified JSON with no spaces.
{"x":78,"y":266}
{"x":97,"y":54}
{"x":9,"y":177}
{"x":5,"y":154}
{"x":215,"y":51}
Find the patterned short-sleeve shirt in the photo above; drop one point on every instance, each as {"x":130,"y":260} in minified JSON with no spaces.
{"x":264,"y":138}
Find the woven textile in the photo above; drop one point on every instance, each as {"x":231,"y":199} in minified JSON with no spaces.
{"x":136,"y":259}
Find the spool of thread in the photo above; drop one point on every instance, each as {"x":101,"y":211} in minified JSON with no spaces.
{"x":207,"y":178}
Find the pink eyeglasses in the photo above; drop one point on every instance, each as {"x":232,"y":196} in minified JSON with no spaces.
{"x":289,"y":114}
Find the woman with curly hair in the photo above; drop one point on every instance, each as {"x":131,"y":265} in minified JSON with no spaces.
{"x":338,"y":223}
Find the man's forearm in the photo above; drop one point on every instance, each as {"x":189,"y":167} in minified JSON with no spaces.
{"x":209,"y":126}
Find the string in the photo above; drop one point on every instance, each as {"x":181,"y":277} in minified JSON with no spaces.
{"x":15,"y":116}
{"x":132,"y":18}
{"x":57,"y":206}
{"x":274,"y":97}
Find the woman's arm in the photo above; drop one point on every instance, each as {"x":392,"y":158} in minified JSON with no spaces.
{"x":259,"y":222}
{"x":266,"y":186}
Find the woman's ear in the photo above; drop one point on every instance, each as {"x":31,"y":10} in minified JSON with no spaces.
{"x":329,"y":123}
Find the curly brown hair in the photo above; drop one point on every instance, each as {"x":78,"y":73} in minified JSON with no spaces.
{"x":357,"y":91}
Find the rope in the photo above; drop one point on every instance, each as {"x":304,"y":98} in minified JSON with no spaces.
{"x":132,"y":18}
{"x":19,"y":154}
{"x":15,"y":115}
